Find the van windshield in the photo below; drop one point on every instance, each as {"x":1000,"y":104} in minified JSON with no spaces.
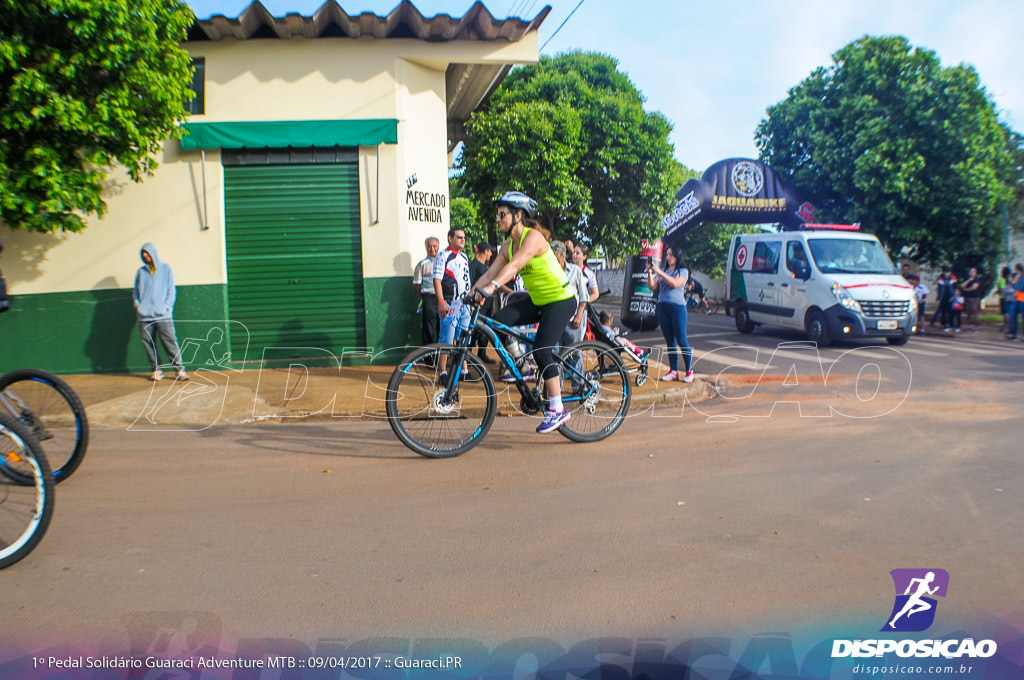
{"x":850,"y":256}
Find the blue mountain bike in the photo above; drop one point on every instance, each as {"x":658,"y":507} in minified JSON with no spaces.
{"x":440,"y":416}
{"x":26,"y":491}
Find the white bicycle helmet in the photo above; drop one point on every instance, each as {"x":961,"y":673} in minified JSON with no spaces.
{"x":519,"y":201}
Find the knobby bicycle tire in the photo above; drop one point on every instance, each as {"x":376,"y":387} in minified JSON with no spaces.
{"x":416,"y":410}
{"x":52,"y":411}
{"x":25,"y":508}
{"x":599,"y":406}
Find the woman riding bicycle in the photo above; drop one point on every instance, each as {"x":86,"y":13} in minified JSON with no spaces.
{"x":550,"y":303}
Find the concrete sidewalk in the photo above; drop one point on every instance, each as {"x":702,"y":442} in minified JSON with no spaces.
{"x":229,"y":397}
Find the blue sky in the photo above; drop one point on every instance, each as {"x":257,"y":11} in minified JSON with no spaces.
{"x":714,"y":68}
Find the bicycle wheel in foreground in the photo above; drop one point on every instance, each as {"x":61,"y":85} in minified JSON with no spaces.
{"x":421,"y":417}
{"x":25,"y":508}
{"x":52,"y":411}
{"x":600,"y":405}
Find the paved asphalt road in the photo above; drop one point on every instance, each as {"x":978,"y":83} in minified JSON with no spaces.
{"x":756,"y":511}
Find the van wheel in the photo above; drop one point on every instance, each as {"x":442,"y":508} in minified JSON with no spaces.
{"x":898,"y":339}
{"x":817,"y":329}
{"x":743,"y":322}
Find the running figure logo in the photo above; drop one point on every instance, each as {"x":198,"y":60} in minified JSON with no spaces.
{"x":914,"y":610}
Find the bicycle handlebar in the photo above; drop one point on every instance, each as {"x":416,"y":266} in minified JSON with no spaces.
{"x":470,"y":297}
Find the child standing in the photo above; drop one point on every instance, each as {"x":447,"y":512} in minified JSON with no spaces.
{"x":957,"y":309}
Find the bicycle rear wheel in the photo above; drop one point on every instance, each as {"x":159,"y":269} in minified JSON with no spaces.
{"x":52,"y":411}
{"x":421,"y":417}
{"x":25,"y":509}
{"x":600,"y":404}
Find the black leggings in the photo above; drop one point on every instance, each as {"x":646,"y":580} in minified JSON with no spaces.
{"x":551,"y":318}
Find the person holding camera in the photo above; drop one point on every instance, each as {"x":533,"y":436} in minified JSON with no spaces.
{"x":669,"y":283}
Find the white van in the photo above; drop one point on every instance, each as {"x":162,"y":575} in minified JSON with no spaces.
{"x":830,"y":281}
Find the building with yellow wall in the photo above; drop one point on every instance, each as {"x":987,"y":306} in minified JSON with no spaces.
{"x":294,"y":208}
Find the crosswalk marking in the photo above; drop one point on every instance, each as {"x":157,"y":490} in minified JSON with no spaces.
{"x":727,"y":360}
{"x":810,"y":354}
{"x":962,"y":347}
{"x":732,"y":352}
{"x":923,"y":352}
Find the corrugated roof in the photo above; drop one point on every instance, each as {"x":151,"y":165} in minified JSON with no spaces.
{"x":331,"y":21}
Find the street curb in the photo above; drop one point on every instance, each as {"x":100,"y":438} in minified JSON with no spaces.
{"x":214,"y":397}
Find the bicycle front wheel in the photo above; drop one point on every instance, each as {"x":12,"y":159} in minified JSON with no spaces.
{"x":427,"y":421}
{"x":25,"y":508}
{"x":599,"y":401}
{"x":48,"y":407}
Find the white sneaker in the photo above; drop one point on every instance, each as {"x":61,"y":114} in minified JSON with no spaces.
{"x":553,"y":420}
{"x":688,"y":378}
{"x":157,"y":375}
{"x":181,"y":375}
{"x":670,"y":376}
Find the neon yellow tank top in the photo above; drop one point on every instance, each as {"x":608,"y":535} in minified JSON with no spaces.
{"x":545,"y":280}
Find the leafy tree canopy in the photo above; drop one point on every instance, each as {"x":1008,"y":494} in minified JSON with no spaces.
{"x":572,"y":132}
{"x":465,"y":213}
{"x":1015,"y":208}
{"x":887,"y":137}
{"x":84,"y":85}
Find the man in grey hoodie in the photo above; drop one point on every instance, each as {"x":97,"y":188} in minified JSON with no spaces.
{"x":154,"y":302}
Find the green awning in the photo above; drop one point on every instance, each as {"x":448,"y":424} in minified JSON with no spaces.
{"x":279,"y":134}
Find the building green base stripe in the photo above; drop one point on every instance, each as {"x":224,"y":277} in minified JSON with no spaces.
{"x":97,"y":331}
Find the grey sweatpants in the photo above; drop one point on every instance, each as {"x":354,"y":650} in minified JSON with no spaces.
{"x":164,"y":328}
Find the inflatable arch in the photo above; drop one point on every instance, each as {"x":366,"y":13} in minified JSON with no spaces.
{"x":737,"y":191}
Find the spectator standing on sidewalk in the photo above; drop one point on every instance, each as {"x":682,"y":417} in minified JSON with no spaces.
{"x":921,"y":295}
{"x":451,"y":282}
{"x":423,"y":284}
{"x":945,"y":289}
{"x":478,"y":266}
{"x":957,"y":309}
{"x":578,"y":285}
{"x":577,"y":325}
{"x":1017,"y":308}
{"x":1007,"y":297}
{"x":154,"y":297}
{"x":669,"y":282}
{"x":972,"y":299}
{"x":579,"y":258}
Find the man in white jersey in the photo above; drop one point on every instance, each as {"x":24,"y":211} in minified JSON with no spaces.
{"x":451,"y":282}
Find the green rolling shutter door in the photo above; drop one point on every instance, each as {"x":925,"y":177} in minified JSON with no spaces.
{"x":294,"y":258}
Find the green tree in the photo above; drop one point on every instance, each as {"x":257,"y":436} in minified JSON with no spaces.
{"x":84,"y":85}
{"x":1015,"y":206}
{"x":887,"y":137}
{"x":465,"y":213}
{"x":572,"y":132}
